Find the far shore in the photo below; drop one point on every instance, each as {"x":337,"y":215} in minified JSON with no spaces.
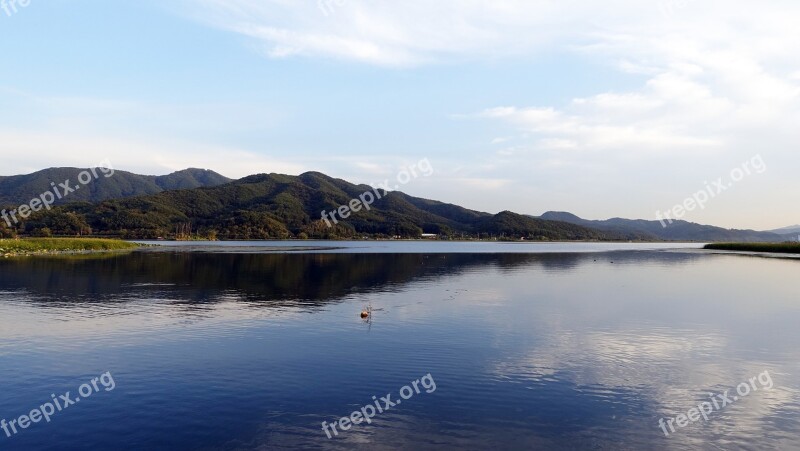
{"x":776,"y":248}
{"x":66,"y":246}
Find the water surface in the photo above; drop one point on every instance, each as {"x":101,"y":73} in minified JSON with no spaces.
{"x":566,"y":349}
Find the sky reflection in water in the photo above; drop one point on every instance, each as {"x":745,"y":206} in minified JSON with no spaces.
{"x":247,"y":351}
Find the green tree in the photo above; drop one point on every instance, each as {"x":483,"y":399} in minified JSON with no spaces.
{"x":6,"y":231}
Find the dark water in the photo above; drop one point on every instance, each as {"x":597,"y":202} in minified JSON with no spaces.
{"x":527,"y":351}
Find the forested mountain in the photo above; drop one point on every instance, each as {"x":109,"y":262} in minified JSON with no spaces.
{"x":197,"y":203}
{"x":676,"y":231}
{"x":268,"y":206}
{"x":19,"y":189}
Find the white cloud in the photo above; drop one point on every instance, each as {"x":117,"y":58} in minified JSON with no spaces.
{"x":490,"y":184}
{"x":419,"y":31}
{"x":603,"y":123}
{"x":392,"y":33}
{"x":373,"y":168}
{"x":696,"y":101}
{"x":48,"y":149}
{"x":706,"y":60}
{"x":133,"y":135}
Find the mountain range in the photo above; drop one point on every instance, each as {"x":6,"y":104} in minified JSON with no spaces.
{"x":676,"y":231}
{"x":19,"y":189}
{"x":197,"y":203}
{"x":791,"y":230}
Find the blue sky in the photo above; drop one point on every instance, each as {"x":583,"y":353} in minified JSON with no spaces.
{"x":616,"y":108}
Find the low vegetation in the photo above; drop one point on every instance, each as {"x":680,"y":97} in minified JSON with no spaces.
{"x":781,"y":248}
{"x":41,"y":246}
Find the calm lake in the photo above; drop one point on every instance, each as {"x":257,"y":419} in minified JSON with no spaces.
{"x":239,"y":346}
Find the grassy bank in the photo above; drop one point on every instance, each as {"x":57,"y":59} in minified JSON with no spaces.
{"x":42,"y":246}
{"x":782,"y":248}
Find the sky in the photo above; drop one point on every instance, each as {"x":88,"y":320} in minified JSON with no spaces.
{"x":619,"y":108}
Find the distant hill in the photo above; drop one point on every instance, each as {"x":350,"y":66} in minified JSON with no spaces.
{"x":677,"y":231}
{"x":791,"y":230}
{"x":18,"y":189}
{"x":512,"y":224}
{"x":268,"y":206}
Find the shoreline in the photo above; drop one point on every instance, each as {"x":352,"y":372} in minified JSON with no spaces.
{"x":33,"y":247}
{"x":788,"y":248}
